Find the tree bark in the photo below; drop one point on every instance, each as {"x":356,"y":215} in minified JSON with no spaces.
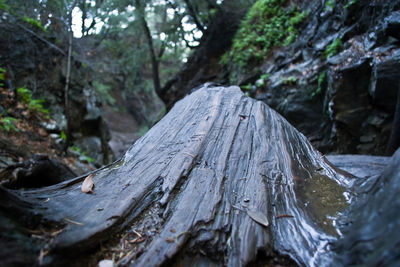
{"x":222,"y":179}
{"x":66,"y":88}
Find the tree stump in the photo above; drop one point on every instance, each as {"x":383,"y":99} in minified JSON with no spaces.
{"x":222,"y":179}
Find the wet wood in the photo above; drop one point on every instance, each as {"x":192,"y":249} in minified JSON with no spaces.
{"x":221,"y":179}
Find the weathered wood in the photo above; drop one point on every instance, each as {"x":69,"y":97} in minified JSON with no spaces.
{"x":222,"y":179}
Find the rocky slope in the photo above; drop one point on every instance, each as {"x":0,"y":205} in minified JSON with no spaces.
{"x":337,"y":83}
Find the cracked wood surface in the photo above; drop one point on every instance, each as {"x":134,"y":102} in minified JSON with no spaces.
{"x":222,"y":174}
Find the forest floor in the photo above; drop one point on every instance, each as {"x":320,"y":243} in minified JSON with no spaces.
{"x":23,"y":134}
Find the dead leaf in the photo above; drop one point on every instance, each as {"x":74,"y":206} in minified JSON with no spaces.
{"x":170,"y":239}
{"x":88,"y":184}
{"x":258,"y":217}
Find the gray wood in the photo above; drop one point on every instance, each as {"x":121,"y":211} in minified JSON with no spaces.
{"x":223,"y":179}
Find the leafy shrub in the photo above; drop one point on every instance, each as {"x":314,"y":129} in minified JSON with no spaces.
{"x":268,"y":23}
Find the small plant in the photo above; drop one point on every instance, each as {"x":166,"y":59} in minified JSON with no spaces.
{"x":246,"y":87}
{"x":265,"y":76}
{"x":333,"y":48}
{"x":2,"y":76}
{"x":289,"y":80}
{"x":34,"y":105}
{"x":24,"y":94}
{"x":82,"y":154}
{"x":34,"y":22}
{"x":321,"y":79}
{"x":8,"y":124}
{"x":63,"y":136}
{"x":330,"y":4}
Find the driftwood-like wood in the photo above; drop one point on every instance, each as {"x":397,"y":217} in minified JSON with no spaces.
{"x":222,"y":179}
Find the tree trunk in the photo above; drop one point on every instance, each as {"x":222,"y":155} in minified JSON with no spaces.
{"x":154,"y":59}
{"x":203,"y":64}
{"x":222,"y":179}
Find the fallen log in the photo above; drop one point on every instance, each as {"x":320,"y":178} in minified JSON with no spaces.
{"x":222,"y":179}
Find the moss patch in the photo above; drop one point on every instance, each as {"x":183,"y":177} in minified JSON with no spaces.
{"x":268,"y":23}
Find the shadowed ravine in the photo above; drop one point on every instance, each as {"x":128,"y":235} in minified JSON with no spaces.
{"x":222,"y":178}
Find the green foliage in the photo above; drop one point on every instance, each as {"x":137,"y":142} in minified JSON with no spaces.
{"x":34,"y":105}
{"x":34,"y":22}
{"x":268,"y":23}
{"x":7,"y":123}
{"x":105,"y":92}
{"x":333,"y":48}
{"x":24,"y":94}
{"x":265,"y":76}
{"x":2,"y":71}
{"x":321,"y":79}
{"x":82,"y":154}
{"x":63,"y":136}
{"x":330,"y":4}
{"x":246,"y":87}
{"x":291,"y":80}
{"x":4,"y":6}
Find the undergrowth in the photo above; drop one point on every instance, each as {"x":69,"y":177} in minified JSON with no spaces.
{"x":34,"y":105}
{"x":268,"y":23}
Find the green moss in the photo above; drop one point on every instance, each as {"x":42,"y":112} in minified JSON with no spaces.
{"x":268,"y":23}
{"x":333,"y":48}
